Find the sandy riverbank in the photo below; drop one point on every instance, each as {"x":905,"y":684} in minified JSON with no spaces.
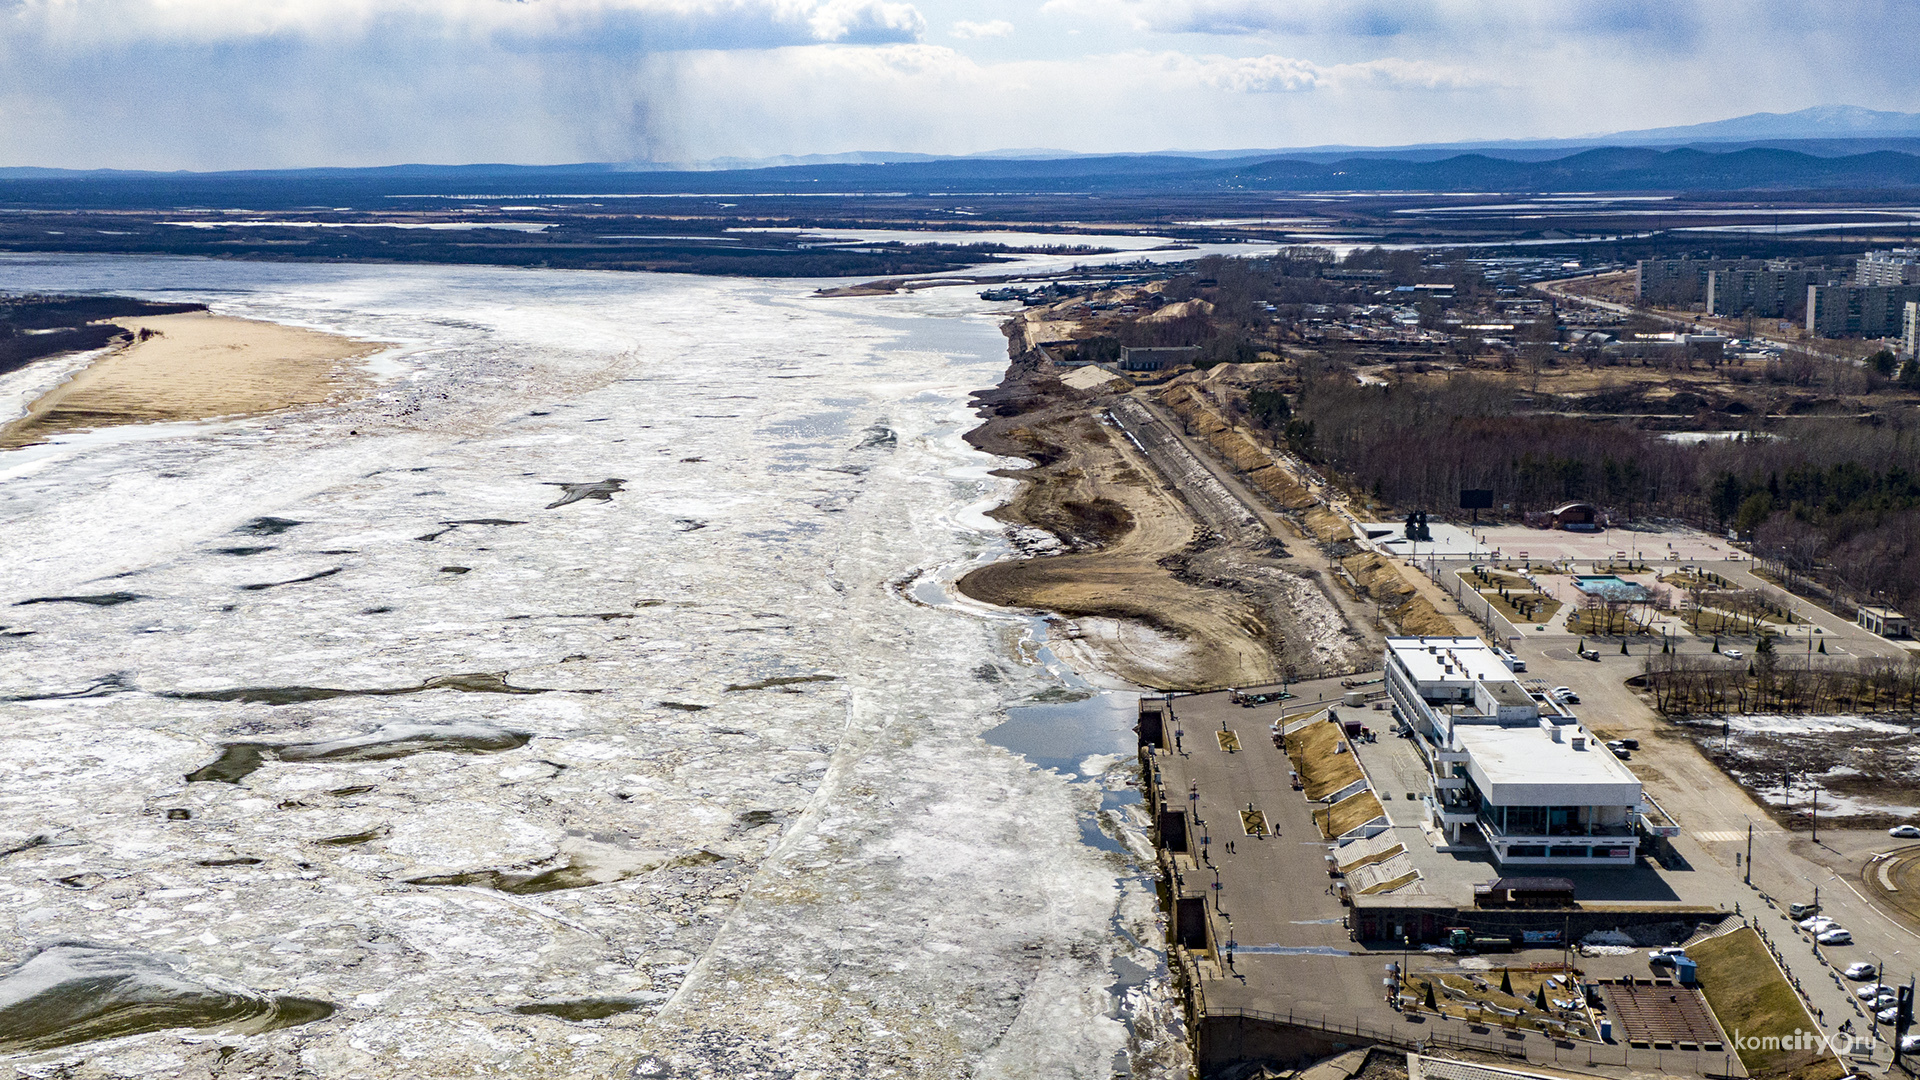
{"x":194,"y":367}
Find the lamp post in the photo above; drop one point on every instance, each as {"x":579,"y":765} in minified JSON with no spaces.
{"x":1749,"y":851}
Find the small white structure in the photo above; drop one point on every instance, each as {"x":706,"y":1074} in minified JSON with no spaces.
{"x":1884,"y":621}
{"x":1514,"y":767}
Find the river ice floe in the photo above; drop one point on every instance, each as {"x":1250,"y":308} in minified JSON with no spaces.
{"x":556,"y":774}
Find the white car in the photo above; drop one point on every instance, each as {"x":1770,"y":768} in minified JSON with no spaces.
{"x":1886,"y":1016}
{"x":1872,"y":990}
{"x":1835,"y":936}
{"x":1665,"y":955}
{"x":1732,"y":654}
{"x":1905,"y":832}
{"x":1816,"y":923}
{"x":1909,"y":1044}
{"x":1856,"y":972}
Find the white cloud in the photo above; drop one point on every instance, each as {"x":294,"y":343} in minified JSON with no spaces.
{"x":997,"y":28}
{"x":263,"y":83}
{"x":840,"y":20}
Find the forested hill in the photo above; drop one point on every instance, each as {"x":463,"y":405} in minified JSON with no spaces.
{"x":1601,"y":169}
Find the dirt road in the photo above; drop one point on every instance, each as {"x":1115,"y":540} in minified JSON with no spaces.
{"x":1172,"y":575}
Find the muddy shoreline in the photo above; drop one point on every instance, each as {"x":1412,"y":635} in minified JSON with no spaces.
{"x":1168,"y":589}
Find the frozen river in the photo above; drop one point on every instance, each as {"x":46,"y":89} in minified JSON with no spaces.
{"x":748,"y":825}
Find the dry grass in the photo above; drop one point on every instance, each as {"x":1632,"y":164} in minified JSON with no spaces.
{"x":1323,"y":770}
{"x":1376,"y":857}
{"x":1749,"y":995}
{"x":1545,"y":606}
{"x":1525,"y":985}
{"x":1392,"y":884}
{"x":1405,"y":608}
{"x":1348,"y":814}
{"x":1602,"y":622}
{"x":1326,"y":526}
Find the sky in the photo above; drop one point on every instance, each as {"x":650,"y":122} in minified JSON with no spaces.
{"x":219,"y":84}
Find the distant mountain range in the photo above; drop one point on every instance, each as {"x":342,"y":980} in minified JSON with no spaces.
{"x":1819,"y":122}
{"x":1828,"y":148}
{"x":1823,"y":131}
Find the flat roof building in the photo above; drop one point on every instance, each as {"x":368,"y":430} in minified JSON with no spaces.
{"x":1509,"y":769}
{"x":1883,"y":621}
{"x":1847,"y":311}
{"x":1157,"y":358}
{"x":1898,"y":266}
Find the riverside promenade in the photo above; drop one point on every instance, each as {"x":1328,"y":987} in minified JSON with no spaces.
{"x":1272,"y":970}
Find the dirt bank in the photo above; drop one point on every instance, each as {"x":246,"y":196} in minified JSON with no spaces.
{"x":195,"y":367}
{"x":1175,"y":584}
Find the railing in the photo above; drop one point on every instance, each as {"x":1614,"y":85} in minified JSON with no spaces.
{"x":1513,"y":1043}
{"x":1367,"y":669}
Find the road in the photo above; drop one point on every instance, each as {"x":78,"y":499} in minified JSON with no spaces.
{"x":1671,"y":319}
{"x":1715,"y":815}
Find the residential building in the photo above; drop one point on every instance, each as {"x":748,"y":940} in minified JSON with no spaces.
{"x":1910,"y":330}
{"x":1775,"y":291}
{"x":1897,"y":266}
{"x":1871,"y":311}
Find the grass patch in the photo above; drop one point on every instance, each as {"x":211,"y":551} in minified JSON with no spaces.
{"x":1348,"y":814}
{"x":1541,"y":606}
{"x":1390,"y":885}
{"x":1253,"y":822}
{"x":1494,"y":579}
{"x":1469,"y":994}
{"x":1229,"y":741}
{"x":1603,"y":623}
{"x":1749,"y":995}
{"x":1326,"y":526}
{"x":1321,"y":769}
{"x":1376,"y":857}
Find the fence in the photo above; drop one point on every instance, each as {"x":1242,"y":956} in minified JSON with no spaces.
{"x":1477,"y":607}
{"x":1563,"y":1051}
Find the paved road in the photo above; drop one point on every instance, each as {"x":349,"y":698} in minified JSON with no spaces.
{"x":1715,"y":814}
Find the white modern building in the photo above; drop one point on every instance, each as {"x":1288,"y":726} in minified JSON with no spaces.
{"x":1510,"y":765}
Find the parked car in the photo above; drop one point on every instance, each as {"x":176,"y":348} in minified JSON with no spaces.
{"x":1834,"y":936}
{"x":1905,"y":832}
{"x":1621,"y":752}
{"x":1732,"y":654}
{"x":1658,"y":957}
{"x":1856,"y":972}
{"x":1871,"y":991}
{"x":1910,"y":1044}
{"x":1816,"y":924}
{"x":1566,"y":694}
{"x":1887,"y":1016}
{"x":1631,"y":744}
{"x":1801,"y":911}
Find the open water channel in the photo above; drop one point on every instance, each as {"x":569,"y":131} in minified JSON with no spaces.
{"x":584,"y":700}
